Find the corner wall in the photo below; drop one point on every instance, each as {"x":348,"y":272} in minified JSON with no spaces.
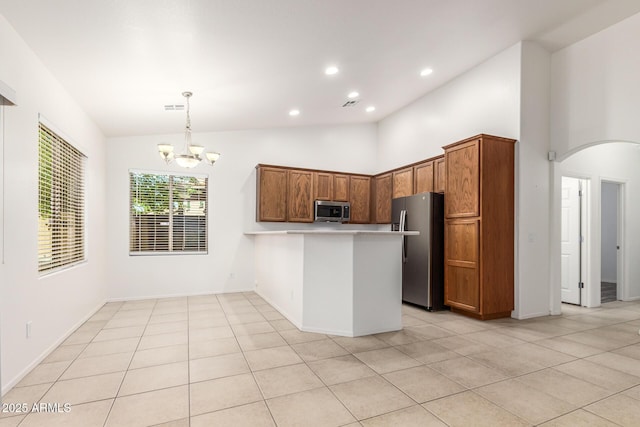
{"x":57,"y":303}
{"x":533,"y":291}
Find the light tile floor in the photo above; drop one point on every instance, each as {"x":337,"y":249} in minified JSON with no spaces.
{"x":233,"y":360}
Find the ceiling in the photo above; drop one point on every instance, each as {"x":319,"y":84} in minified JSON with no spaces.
{"x":249,"y":62}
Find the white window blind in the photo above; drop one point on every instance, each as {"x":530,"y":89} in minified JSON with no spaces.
{"x":60,"y":202}
{"x":168,"y":214}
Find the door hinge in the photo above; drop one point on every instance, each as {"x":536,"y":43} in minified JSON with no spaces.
{"x":580,"y":285}
{"x":579,"y":193}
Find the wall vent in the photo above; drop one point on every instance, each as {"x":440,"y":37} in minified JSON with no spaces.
{"x":174,"y":107}
{"x":351,"y":103}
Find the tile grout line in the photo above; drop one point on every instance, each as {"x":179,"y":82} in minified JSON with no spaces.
{"x":128,"y":366}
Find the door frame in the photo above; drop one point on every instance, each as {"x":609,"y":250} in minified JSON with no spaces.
{"x":621,"y":288}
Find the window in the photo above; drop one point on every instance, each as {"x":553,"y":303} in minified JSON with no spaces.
{"x":168,"y":214}
{"x":60,"y":202}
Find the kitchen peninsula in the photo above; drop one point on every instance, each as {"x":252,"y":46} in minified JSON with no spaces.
{"x":338,"y":282}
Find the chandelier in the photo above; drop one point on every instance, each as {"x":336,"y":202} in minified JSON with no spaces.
{"x":193,"y":154}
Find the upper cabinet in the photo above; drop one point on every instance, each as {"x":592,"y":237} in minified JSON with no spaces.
{"x":402,"y":183}
{"x":271,"y":194}
{"x":382,"y":199}
{"x":360,"y":198}
{"x":300,"y":196}
{"x":323,"y":186}
{"x":331,"y":186}
{"x":463,"y":180}
{"x":288,"y":194}
{"x":439,"y":175}
{"x":423,"y":177}
{"x":340,"y":187}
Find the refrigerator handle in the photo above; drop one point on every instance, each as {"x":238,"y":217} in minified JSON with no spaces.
{"x":403,"y":225}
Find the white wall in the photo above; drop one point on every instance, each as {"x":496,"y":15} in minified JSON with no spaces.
{"x":609,"y":162}
{"x":595,"y":89}
{"x":485,"y":99}
{"x":57,"y":303}
{"x":532,"y":291}
{"x":228,"y":267}
{"x":609,"y":227}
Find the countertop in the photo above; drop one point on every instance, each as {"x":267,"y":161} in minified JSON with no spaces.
{"x":338,"y":232}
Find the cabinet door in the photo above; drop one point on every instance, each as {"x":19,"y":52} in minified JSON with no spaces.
{"x":423,"y":177}
{"x":360,"y":192}
{"x":463,"y":180}
{"x":439,"y":175}
{"x":461,"y":280}
{"x":340,"y":188}
{"x":272,"y":194}
{"x":403,"y":183}
{"x":383,"y":199}
{"x":300,"y":203}
{"x":323,"y":186}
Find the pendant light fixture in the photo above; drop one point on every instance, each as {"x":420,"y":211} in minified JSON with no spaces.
{"x":193,"y":154}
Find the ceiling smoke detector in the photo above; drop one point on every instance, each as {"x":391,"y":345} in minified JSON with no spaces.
{"x":351,"y":103}
{"x":174,"y":107}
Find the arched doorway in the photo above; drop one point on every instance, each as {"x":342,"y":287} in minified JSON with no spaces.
{"x":597,"y":165}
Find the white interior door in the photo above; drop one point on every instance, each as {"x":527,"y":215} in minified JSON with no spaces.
{"x":570,"y":240}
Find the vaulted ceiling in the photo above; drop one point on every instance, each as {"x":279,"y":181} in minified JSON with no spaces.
{"x":249,"y":62}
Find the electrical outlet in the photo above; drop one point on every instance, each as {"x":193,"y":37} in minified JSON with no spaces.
{"x":29,"y":329}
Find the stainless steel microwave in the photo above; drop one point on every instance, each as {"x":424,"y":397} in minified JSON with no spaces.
{"x":326,"y":211}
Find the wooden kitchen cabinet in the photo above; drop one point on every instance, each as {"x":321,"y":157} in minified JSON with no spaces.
{"x":439,"y":175}
{"x":340,"y":187}
{"x":463,"y":180}
{"x":300,"y":196}
{"x":423,"y":177}
{"x":271,"y":193}
{"x":323,"y":186}
{"x":402,"y":183}
{"x":479,"y":226}
{"x":382,"y":199}
{"x":331,"y":186}
{"x":360,"y":196}
{"x":461,"y":263}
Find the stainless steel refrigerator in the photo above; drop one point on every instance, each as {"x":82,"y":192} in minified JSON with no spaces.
{"x":422,"y":255}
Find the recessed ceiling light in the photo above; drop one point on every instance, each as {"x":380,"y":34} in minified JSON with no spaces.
{"x":426,"y":72}
{"x":294,"y":112}
{"x":370,"y":109}
{"x":331,"y":70}
{"x":353,"y":94}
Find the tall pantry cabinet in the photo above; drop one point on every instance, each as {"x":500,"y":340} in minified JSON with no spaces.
{"x":479,"y":226}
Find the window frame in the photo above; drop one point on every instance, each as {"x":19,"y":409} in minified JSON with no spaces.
{"x":171,"y":251}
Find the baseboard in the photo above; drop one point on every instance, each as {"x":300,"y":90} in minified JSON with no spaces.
{"x":532,"y":315}
{"x":163,"y":296}
{"x":48,"y":351}
{"x":279,"y":310}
